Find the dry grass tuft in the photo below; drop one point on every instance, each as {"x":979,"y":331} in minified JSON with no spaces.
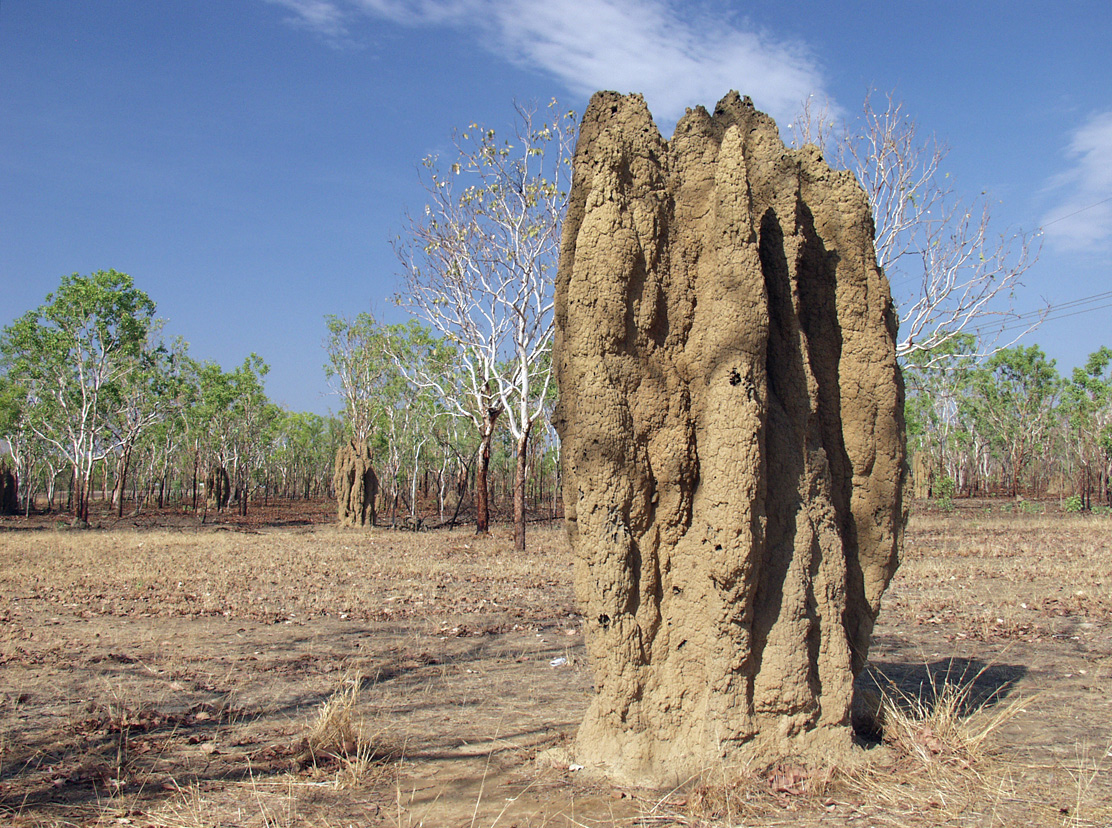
{"x":941,"y":756}
{"x":935,"y":757}
{"x":339,"y":738}
{"x":945,"y":724}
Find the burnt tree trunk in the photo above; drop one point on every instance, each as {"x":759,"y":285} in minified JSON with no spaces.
{"x":121,"y":482}
{"x":519,"y":489}
{"x":482,"y":474}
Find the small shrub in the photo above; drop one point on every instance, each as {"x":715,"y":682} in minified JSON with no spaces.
{"x":1030,"y":507}
{"x":1073,"y":504}
{"x":944,"y":493}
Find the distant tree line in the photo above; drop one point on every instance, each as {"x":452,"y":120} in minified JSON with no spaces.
{"x":96,"y":406}
{"x":1010,"y":424}
{"x":405,"y":395}
{"x":455,"y":403}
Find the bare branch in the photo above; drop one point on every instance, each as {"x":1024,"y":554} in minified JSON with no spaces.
{"x":948,"y":271}
{"x":479,"y":265}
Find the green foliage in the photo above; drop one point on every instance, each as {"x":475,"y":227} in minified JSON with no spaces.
{"x":302,"y":450}
{"x":84,"y":360}
{"x":938,"y":386}
{"x":1073,"y":504}
{"x":85,"y":382}
{"x":1010,"y":422}
{"x":479,"y":269}
{"x":944,"y":493}
{"x":1013,"y":402}
{"x":360,"y":366}
{"x":1087,"y":401}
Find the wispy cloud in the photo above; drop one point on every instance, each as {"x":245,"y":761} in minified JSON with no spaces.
{"x":676,"y":54}
{"x":326,"y":18}
{"x":1082,"y":219}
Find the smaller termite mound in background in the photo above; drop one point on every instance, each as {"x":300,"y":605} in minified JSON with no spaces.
{"x":356,"y":485}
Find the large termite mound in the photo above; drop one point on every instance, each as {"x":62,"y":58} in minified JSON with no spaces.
{"x":355,"y":484}
{"x":218,"y":488}
{"x":9,"y":492}
{"x":733,"y":444}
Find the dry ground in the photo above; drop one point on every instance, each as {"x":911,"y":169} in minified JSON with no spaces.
{"x":174,"y":677}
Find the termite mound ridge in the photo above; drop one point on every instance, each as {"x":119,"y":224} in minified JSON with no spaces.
{"x":731,"y":418}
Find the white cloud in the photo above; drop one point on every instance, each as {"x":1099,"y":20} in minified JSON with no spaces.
{"x":1082,"y":219}
{"x":676,"y":60}
{"x":324,"y":17}
{"x":676,"y":57}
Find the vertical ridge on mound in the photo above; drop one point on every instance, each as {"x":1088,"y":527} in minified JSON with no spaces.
{"x":731,"y":419}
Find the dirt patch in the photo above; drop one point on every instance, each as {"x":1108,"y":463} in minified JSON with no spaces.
{"x":169,"y":678}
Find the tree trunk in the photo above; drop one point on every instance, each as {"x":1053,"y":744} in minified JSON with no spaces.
{"x":243,"y":494}
{"x":482,"y":487}
{"x":519,"y":489}
{"x":121,"y":482}
{"x":83,"y":494}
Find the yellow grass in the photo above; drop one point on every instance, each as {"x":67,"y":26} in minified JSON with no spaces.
{"x":409,"y":683}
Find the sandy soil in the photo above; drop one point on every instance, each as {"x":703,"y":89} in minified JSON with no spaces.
{"x":172,"y":676}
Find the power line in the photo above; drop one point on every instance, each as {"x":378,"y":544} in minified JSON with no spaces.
{"x":1055,"y":317}
{"x":1076,"y":212}
{"x":1075,"y":307}
{"x":1087,"y":300}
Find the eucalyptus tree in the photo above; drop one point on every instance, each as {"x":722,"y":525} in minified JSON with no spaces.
{"x":1016,"y":393}
{"x":374,"y":368}
{"x":19,"y":440}
{"x":937,"y":409}
{"x":479,"y":268}
{"x":359,"y":365}
{"x":230,"y":420}
{"x":409,"y":408}
{"x":253,"y":429}
{"x":74,"y":357}
{"x":161,"y":451}
{"x":147,"y":397}
{"x":1087,"y":399}
{"x":950,"y":272}
{"x":304,"y":450}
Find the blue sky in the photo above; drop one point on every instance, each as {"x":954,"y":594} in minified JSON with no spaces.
{"x":248,"y":161}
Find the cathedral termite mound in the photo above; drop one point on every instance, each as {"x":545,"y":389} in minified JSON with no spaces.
{"x":731,"y":416}
{"x":355,"y":484}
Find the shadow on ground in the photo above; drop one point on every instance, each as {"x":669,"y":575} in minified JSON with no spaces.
{"x":918,"y":686}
